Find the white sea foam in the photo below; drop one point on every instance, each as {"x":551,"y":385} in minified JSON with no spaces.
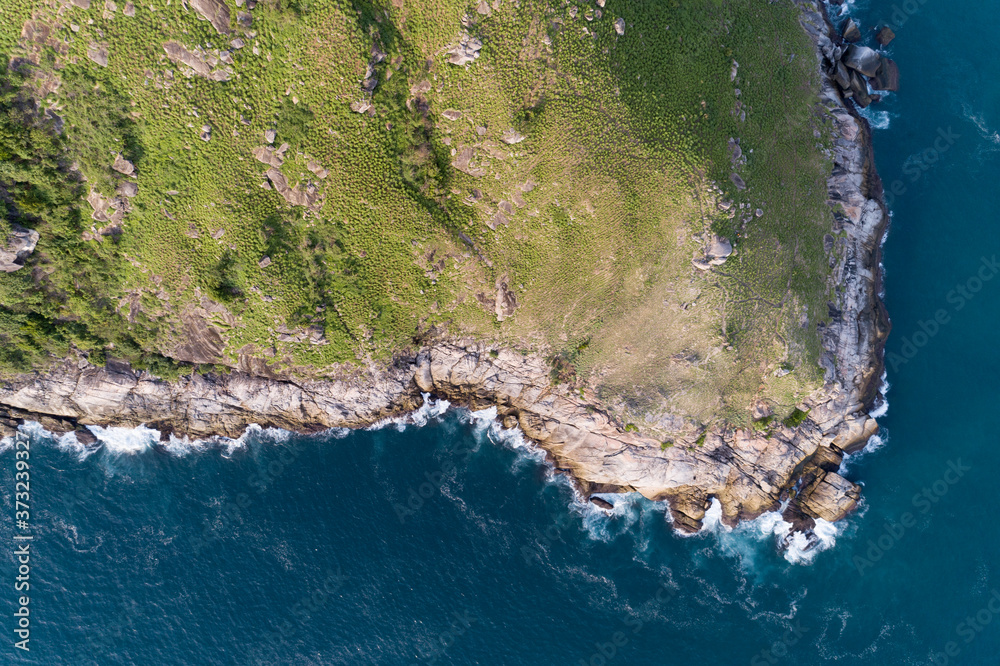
{"x":252,"y":431}
{"x":745,"y":540}
{"x":879,"y":119}
{"x":431,"y":409}
{"x":66,"y":442}
{"x":181,"y":446}
{"x":882,"y":403}
{"x":980,"y":122}
{"x":125,"y":441}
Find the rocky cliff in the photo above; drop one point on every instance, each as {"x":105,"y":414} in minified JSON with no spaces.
{"x":749,"y":471}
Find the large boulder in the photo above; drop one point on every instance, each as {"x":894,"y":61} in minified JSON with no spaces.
{"x":852,"y":33}
{"x":887,"y":77}
{"x":858,"y":84}
{"x":719,"y":250}
{"x":19,"y":246}
{"x":466,"y":51}
{"x":862,"y":59}
{"x":842,"y":76}
{"x":885,"y":35}
{"x":215,"y":12}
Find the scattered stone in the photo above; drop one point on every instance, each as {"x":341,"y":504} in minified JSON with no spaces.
{"x":129,"y":10}
{"x":512,"y":136}
{"x":245,"y":19}
{"x":761,"y":410}
{"x":215,"y":12}
{"x":360,"y":107}
{"x":19,"y":245}
{"x":463,"y":162}
{"x":735,"y":151}
{"x":737,"y":181}
{"x":620,"y":26}
{"x":701,"y":264}
{"x":237,"y":43}
{"x":759,"y":213}
{"x":506,"y":299}
{"x":421,"y":87}
{"x":98,"y":53}
{"x":862,"y":59}
{"x":498,"y":219}
{"x":887,"y":77}
{"x":483,"y":8}
{"x":123,"y":166}
{"x":206,"y":133}
{"x":852,"y":33}
{"x":309,"y":197}
{"x":218,"y":233}
{"x":196,"y":60}
{"x":481,"y":131}
{"x":82,"y":4}
{"x":269,"y":135}
{"x":451,"y":114}
{"x":317,"y":169}
{"x":600,"y":3}
{"x":128,"y":189}
{"x":265,"y":262}
{"x":719,"y":251}
{"x":885,"y":35}
{"x":466,"y":51}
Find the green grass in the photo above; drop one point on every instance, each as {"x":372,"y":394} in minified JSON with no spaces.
{"x":591,"y":220}
{"x":796,"y":418}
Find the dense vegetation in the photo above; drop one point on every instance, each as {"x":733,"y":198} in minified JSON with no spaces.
{"x":421,"y":207}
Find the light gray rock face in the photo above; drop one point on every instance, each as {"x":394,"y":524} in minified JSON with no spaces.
{"x":19,"y":245}
{"x":855,"y":339}
{"x":215,"y":12}
{"x":862,"y":59}
{"x":746,"y":470}
{"x":466,"y":51}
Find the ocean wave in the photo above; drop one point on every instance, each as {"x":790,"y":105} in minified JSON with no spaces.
{"x":879,"y":119}
{"x":882,"y":402}
{"x":429,"y":410}
{"x":66,"y":442}
{"x":125,"y":441}
{"x":745,"y":540}
{"x":979,"y":121}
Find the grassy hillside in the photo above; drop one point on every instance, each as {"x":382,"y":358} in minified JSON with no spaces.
{"x":549,"y":194}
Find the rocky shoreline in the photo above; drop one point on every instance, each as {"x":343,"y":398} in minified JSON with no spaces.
{"x":792,"y":467}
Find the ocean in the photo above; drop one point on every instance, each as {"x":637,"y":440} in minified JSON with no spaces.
{"x":443,"y":539}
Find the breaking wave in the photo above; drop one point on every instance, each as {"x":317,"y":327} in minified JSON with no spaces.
{"x":429,"y":410}
{"x":745,"y":540}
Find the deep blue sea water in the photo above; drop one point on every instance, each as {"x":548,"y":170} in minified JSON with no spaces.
{"x":452,"y":544}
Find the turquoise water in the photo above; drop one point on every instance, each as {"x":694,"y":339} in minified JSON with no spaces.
{"x":452,"y":544}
